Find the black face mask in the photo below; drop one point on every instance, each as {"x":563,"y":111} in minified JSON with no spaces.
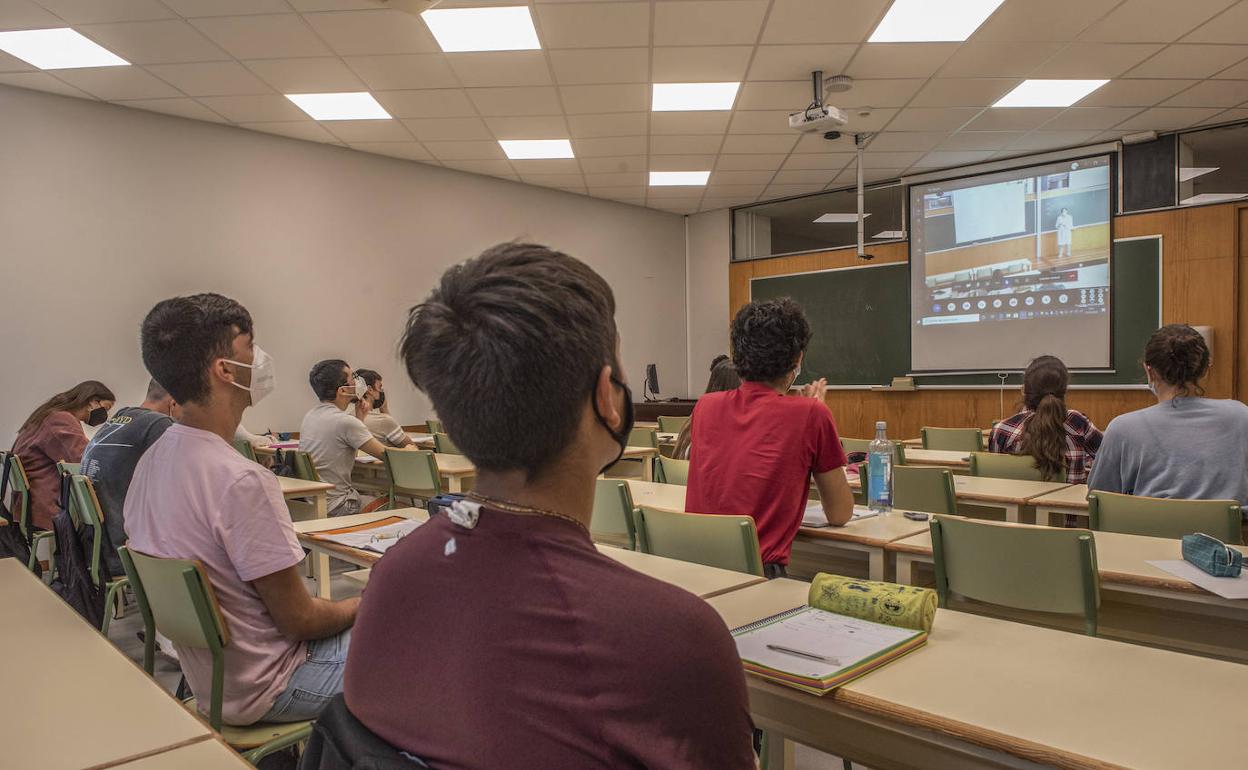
{"x":381,"y":399}
{"x":626,"y":428}
{"x":97,"y":417}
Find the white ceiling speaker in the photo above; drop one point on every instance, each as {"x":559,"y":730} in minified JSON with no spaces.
{"x":411,"y":6}
{"x":837,"y":84}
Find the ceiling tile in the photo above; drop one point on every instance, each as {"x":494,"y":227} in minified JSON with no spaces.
{"x":682,"y":162}
{"x":1167,"y":118}
{"x":24,"y":14}
{"x":948,"y":159}
{"x":750,"y":162}
{"x":218,"y":78}
{"x":963,"y":92}
{"x":759,"y":143}
{"x":791,"y":96}
{"x":741,"y":177}
{"x":615,"y":164}
{"x":520,"y":100}
{"x":404,"y":150}
{"x":192,"y":8}
{"x":832,"y":161}
{"x":449,"y":129}
{"x":529,"y":127}
{"x":501,"y":68}
{"x":704,"y":144}
{"x":615,"y":65}
{"x":849,"y":177}
{"x":617,"y":124}
{"x":1160,"y":21}
{"x":820,"y":21}
{"x":872,"y":160}
{"x":1090,"y":118}
{"x":1237,"y":72}
{"x":1134,"y":93}
{"x":820,"y":177}
{"x":1013,"y":118}
{"x":367,"y":33}
{"x":307,"y":130}
{"x":985,"y":59}
{"x":612,"y":146}
{"x":622,"y":179}
{"x":1094,"y":60}
{"x":283,"y":36}
{"x":674,"y":195}
{"x":113,"y":83}
{"x":1190,"y":61}
{"x":491,"y":167}
{"x":689,"y":122}
{"x":14,"y":64}
{"x":624,"y":97}
{"x":433,"y":103}
{"x":930,"y":118}
{"x":182,"y":107}
{"x":602,"y":25}
{"x":566,"y":182}
{"x":326,"y":74}
{"x":704,"y":64}
{"x":787,"y":190}
{"x":980,"y":140}
{"x":884,"y":92}
{"x":42,"y":81}
{"x":1028,"y":20}
{"x":900,"y":60}
{"x":714,"y":190}
{"x":1227,"y":117}
{"x":100,"y":11}
{"x":155,"y":42}
{"x":547,"y":166}
{"x":1042,"y":141}
{"x":465,"y":150}
{"x":759,"y":121}
{"x":394,"y":73}
{"x":1230,"y":27}
{"x":894,"y":141}
{"x":1212,"y":93}
{"x":715,"y":204}
{"x":368,"y":130}
{"x":708,"y":22}
{"x":632,"y":194}
{"x":255,"y":109}
{"x":790,"y":62}
{"x":335,"y":5}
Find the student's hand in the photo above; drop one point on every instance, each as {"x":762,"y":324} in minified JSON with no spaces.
{"x":817,"y":389}
{"x":362,"y":407}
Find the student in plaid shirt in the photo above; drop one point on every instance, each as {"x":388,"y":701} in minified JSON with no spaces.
{"x":1062,"y":441}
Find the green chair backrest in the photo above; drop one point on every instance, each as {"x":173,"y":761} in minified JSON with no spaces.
{"x":727,"y":542}
{"x":1157,"y":517}
{"x":413,"y":472}
{"x":84,"y":508}
{"x":672,"y":471}
{"x":612,"y":520}
{"x":644,"y":437}
{"x":304,"y":467}
{"x":444,"y":446}
{"x":929,"y":490}
{"x":669,"y":424}
{"x":245,"y":449}
{"x":1042,"y":569}
{"x":851,"y":445}
{"x":68,"y":469}
{"x":1003,"y":466}
{"x":954,"y":439}
{"x":434,"y":426}
{"x":176,"y":599}
{"x":19,"y":485}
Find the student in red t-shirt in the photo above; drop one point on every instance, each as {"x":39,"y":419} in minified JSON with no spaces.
{"x":755,"y":449}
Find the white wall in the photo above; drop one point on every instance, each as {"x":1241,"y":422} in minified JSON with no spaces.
{"x":708,"y":255}
{"x":105,"y":210}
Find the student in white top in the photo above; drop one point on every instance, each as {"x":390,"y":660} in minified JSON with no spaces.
{"x":333,"y":431}
{"x":385,"y":428}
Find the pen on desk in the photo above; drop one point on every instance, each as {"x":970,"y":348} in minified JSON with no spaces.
{"x":386,"y":536}
{"x":800,"y":654}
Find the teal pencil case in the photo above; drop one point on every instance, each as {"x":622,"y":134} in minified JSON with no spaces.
{"x":1212,"y":555}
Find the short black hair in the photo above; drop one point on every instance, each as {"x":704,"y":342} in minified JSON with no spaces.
{"x":326,"y":378}
{"x":182,"y":336}
{"x":767,"y":336}
{"x":508,"y":347}
{"x":369,"y":376}
{"x":156,"y":391}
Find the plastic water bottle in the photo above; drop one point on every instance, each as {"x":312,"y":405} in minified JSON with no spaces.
{"x":880,"y":471}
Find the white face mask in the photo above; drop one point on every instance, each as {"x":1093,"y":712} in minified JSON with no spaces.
{"x":361,"y":388}
{"x":263,"y":379}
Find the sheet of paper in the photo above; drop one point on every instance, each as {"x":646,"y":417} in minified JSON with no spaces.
{"x":840,"y":638}
{"x":814,"y":516}
{"x":378,"y":539}
{"x":1226,"y":587}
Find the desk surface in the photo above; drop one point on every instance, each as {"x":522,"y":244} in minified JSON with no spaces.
{"x":875,"y":531}
{"x":697,"y":579}
{"x":1053,"y":696}
{"x":1074,"y":496}
{"x":1010,"y":491}
{"x":204,"y":755}
{"x":941,"y":457}
{"x":298,"y":487}
{"x":652,"y":493}
{"x":64,"y":676}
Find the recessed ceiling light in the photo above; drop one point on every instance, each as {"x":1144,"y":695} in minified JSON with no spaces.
{"x":916,"y":21}
{"x":889,"y":235}
{"x":829,"y":219}
{"x":509,"y":28}
{"x":1048,"y":93}
{"x":1189,"y":173}
{"x":679,"y":178}
{"x":1197,"y":200}
{"x":57,"y":49}
{"x":354,"y":105}
{"x":529,"y":149}
{"x":682,"y":97}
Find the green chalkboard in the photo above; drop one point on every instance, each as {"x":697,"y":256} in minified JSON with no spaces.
{"x":861,"y":320}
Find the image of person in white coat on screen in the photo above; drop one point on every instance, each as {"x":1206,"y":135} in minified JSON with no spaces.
{"x":1065,"y":224}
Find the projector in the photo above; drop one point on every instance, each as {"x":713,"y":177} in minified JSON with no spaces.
{"x":817,"y":118}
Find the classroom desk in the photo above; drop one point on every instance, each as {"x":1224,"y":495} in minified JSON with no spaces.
{"x":939,"y":458}
{"x":868,"y":536}
{"x":1010,"y":495}
{"x":988,"y":693}
{"x":356,"y":556}
{"x":1072,"y":500}
{"x":204,"y":755}
{"x":646,"y":455}
{"x":315,"y":491}
{"x":670,"y":497}
{"x":1139,"y":602}
{"x":74,"y":700}
{"x":370,"y":473}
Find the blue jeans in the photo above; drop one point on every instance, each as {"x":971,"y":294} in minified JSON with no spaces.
{"x":314,"y":682}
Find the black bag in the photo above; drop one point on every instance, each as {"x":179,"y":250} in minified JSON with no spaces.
{"x":283,"y":465}
{"x":73,"y":572}
{"x":12,"y":543}
{"x":340,"y":742}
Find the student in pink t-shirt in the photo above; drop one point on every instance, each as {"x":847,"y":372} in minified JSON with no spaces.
{"x":194,"y":496}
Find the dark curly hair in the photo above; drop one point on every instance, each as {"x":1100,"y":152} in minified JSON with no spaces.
{"x":767,"y":337}
{"x":1179,"y":355}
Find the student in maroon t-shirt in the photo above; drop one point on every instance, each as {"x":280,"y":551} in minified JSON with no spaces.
{"x":496,"y":635}
{"x":755,"y":449}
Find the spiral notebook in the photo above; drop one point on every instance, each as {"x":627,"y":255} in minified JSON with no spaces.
{"x":818,"y":651}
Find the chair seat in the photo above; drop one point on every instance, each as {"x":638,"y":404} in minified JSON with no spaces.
{"x":260,"y":733}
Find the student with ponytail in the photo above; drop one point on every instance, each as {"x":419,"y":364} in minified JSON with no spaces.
{"x":1062,"y":441}
{"x":1186,"y":446}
